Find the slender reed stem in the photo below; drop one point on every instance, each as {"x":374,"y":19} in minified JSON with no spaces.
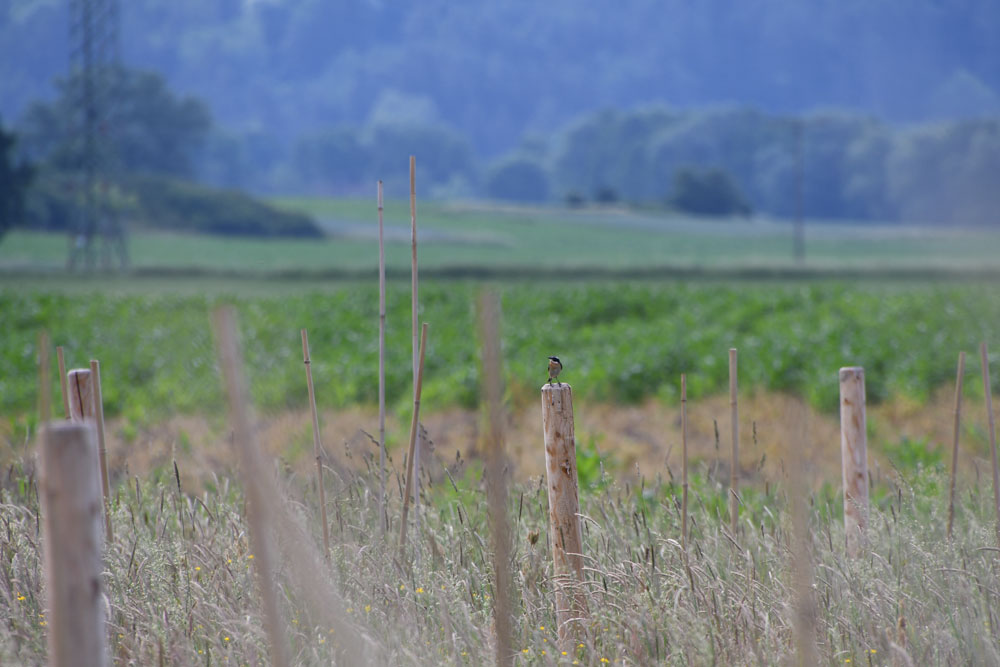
{"x":734,"y":469}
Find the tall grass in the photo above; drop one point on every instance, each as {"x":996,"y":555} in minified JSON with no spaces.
{"x":181,"y":590}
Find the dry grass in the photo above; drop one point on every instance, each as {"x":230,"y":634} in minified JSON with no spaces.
{"x":181,"y":591}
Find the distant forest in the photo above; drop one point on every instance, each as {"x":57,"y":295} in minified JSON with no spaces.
{"x":894,"y":104}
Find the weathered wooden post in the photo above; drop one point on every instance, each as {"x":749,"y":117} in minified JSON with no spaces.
{"x":83,"y":396}
{"x":71,"y":506}
{"x":564,"y":507}
{"x":80,"y":394}
{"x":854,"y":456}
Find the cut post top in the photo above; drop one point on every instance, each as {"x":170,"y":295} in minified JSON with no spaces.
{"x":557,"y":387}
{"x":847,"y":372}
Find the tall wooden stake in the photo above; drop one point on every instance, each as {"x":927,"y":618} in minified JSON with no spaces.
{"x":260,"y":511}
{"x":62,"y":380}
{"x":415,"y":304}
{"x":317,"y":446}
{"x":71,"y":498}
{"x":854,"y":456}
{"x":988,"y":390}
{"x":954,"y":447}
{"x":496,"y":476}
{"x":564,"y":508}
{"x":102,"y":451}
{"x":734,"y":466}
{"x":414,"y":422}
{"x":684,"y":463}
{"x":383,"y":517}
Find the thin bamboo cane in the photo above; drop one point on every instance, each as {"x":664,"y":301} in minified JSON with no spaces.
{"x":734,"y":469}
{"x":411,"y":468}
{"x":954,"y":449}
{"x":414,"y":307}
{"x":317,"y":445}
{"x":684,"y":463}
{"x":383,"y":518}
{"x":102,"y":451}
{"x":44,"y":385}
{"x":62,"y":380}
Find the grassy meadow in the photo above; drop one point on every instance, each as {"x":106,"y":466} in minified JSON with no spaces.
{"x":510,"y":240}
{"x":180,"y":572}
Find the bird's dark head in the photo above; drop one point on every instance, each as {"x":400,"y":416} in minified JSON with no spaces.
{"x":555,"y":359}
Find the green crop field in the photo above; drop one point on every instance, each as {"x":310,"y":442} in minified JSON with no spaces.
{"x":621,"y":342}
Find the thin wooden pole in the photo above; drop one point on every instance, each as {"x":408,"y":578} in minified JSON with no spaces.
{"x":414,"y":307}
{"x":684,"y":463}
{"x":317,"y":446}
{"x":954,"y":447}
{"x":564,"y":508}
{"x":854,"y":456}
{"x":414,"y":422}
{"x":62,"y":380}
{"x":734,"y":464}
{"x":71,"y":500}
{"x":102,"y":451}
{"x":80,"y":394}
{"x":496,"y":476}
{"x":259,"y":510}
{"x":988,"y":390}
{"x":383,"y":517}
{"x":44,"y":381}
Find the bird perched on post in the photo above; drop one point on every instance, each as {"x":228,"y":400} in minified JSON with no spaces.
{"x":555,"y":366}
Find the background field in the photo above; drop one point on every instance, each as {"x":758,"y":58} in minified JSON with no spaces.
{"x":509,"y":240}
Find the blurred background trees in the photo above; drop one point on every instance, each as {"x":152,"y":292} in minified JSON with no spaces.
{"x":897,"y":100}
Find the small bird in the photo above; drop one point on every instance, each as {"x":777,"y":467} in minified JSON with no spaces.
{"x":555,"y":366}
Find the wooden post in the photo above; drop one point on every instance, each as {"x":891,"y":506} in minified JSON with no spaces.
{"x":954,"y":448}
{"x":415,"y":308}
{"x":854,"y":456}
{"x":684,"y":463}
{"x":414,"y":422}
{"x":496,"y":475}
{"x":102,"y":452}
{"x":317,"y":446}
{"x":260,"y":506}
{"x":734,"y":464}
{"x":80,"y":394}
{"x":988,"y":390}
{"x":71,"y":506}
{"x":383,"y":517}
{"x":564,"y":507}
{"x":62,"y":380}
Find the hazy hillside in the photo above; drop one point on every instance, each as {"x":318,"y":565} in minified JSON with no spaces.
{"x":496,"y":70}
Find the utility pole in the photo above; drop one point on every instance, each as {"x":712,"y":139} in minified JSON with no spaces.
{"x":94,"y":72}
